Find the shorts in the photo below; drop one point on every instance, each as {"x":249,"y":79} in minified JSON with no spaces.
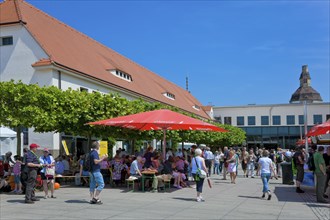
{"x":43,"y":177}
{"x":17,"y":179}
{"x":300,"y":173}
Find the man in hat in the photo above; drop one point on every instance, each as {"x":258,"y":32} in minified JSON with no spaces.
{"x":33,"y":164}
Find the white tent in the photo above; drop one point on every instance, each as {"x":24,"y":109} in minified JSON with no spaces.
{"x":8,"y":141}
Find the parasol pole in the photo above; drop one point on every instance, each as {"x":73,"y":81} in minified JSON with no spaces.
{"x":164,"y":144}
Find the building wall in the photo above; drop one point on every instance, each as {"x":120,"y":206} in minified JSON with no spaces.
{"x":273,"y":110}
{"x":16,"y":59}
{"x":272,"y":135}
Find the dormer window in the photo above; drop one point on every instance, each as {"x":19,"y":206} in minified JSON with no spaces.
{"x":122,"y":75}
{"x":169,"y":95}
{"x":197,"y":107}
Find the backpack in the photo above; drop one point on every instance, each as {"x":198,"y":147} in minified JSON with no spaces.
{"x":310,"y":163}
{"x":87,"y":166}
{"x":279,"y":158}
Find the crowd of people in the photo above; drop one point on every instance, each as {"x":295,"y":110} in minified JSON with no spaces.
{"x":181,"y":166}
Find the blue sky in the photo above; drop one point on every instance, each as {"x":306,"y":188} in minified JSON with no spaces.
{"x":234,"y":52}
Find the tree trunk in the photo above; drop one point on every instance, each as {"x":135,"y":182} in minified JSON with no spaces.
{"x":133,"y":147}
{"x":19,"y":140}
{"x":89,"y":141}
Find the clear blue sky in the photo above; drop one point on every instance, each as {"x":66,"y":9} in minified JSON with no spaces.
{"x":234,"y":52}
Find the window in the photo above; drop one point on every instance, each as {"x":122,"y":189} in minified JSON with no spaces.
{"x":301,"y":119}
{"x":251,"y":120}
{"x":169,"y":95}
{"x":227,"y":120}
{"x":317,"y":119}
{"x":6,"y":41}
{"x":264,"y":120}
{"x":290,"y":120}
{"x":218,"y":119}
{"x":327,"y":117}
{"x":197,"y":107}
{"x":122,"y":75}
{"x":240,"y":120}
{"x":82,"y":89}
{"x":276,"y":120}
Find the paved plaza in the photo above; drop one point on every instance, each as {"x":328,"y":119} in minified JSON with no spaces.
{"x":223,"y":201}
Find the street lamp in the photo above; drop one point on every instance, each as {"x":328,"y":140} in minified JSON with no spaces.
{"x":305,"y":123}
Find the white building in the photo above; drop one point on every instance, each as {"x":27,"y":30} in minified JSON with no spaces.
{"x":37,"y":48}
{"x":278,"y":124}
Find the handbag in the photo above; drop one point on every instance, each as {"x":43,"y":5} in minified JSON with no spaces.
{"x":201,"y":173}
{"x":50,"y":172}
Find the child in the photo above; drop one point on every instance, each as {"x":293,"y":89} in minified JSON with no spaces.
{"x":17,"y":174}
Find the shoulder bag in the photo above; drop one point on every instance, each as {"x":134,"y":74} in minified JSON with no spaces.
{"x":201,"y":173}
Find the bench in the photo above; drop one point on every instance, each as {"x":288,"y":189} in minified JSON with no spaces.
{"x":130,"y":182}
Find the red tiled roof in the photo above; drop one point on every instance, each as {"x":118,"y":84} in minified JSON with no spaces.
{"x":207,"y":108}
{"x":42,"y":62}
{"x":69,"y":48}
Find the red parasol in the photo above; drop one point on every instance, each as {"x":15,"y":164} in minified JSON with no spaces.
{"x":303,"y":141}
{"x":159,"y":120}
{"x":320,"y":129}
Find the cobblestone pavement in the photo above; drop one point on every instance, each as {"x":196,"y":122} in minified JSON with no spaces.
{"x":223,"y":201}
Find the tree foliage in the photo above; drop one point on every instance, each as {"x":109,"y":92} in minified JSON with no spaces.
{"x":49,"y":109}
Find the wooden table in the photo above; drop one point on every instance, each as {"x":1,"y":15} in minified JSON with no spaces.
{"x":147,"y":174}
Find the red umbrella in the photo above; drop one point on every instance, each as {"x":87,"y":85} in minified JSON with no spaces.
{"x":320,"y":129}
{"x":303,"y":141}
{"x":159,"y":120}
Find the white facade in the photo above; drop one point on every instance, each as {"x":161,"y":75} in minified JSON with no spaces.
{"x":273,"y":125}
{"x":282,"y":110}
{"x":16,"y":64}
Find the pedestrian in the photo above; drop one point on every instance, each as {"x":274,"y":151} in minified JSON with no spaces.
{"x":326,"y":157}
{"x":24,"y":170}
{"x":17,"y":174}
{"x":208,"y":156}
{"x":244,"y":161}
{"x":216,"y":162}
{"x":225,"y":165}
{"x":96,"y":179}
{"x":198,"y":162}
{"x":321,"y":175}
{"x":299,"y":161}
{"x":48,"y":162}
{"x":279,"y":160}
{"x":266,"y":167}
{"x":33,"y":164}
{"x":221,"y":160}
{"x":272,"y":156}
{"x":251,"y":164}
{"x":232,"y":166}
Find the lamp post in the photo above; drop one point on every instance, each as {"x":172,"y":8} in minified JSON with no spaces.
{"x":305,"y":125}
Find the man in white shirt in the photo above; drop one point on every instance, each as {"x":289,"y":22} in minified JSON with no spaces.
{"x":208,"y":156}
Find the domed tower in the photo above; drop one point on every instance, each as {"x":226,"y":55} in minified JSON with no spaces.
{"x":305,"y":92}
